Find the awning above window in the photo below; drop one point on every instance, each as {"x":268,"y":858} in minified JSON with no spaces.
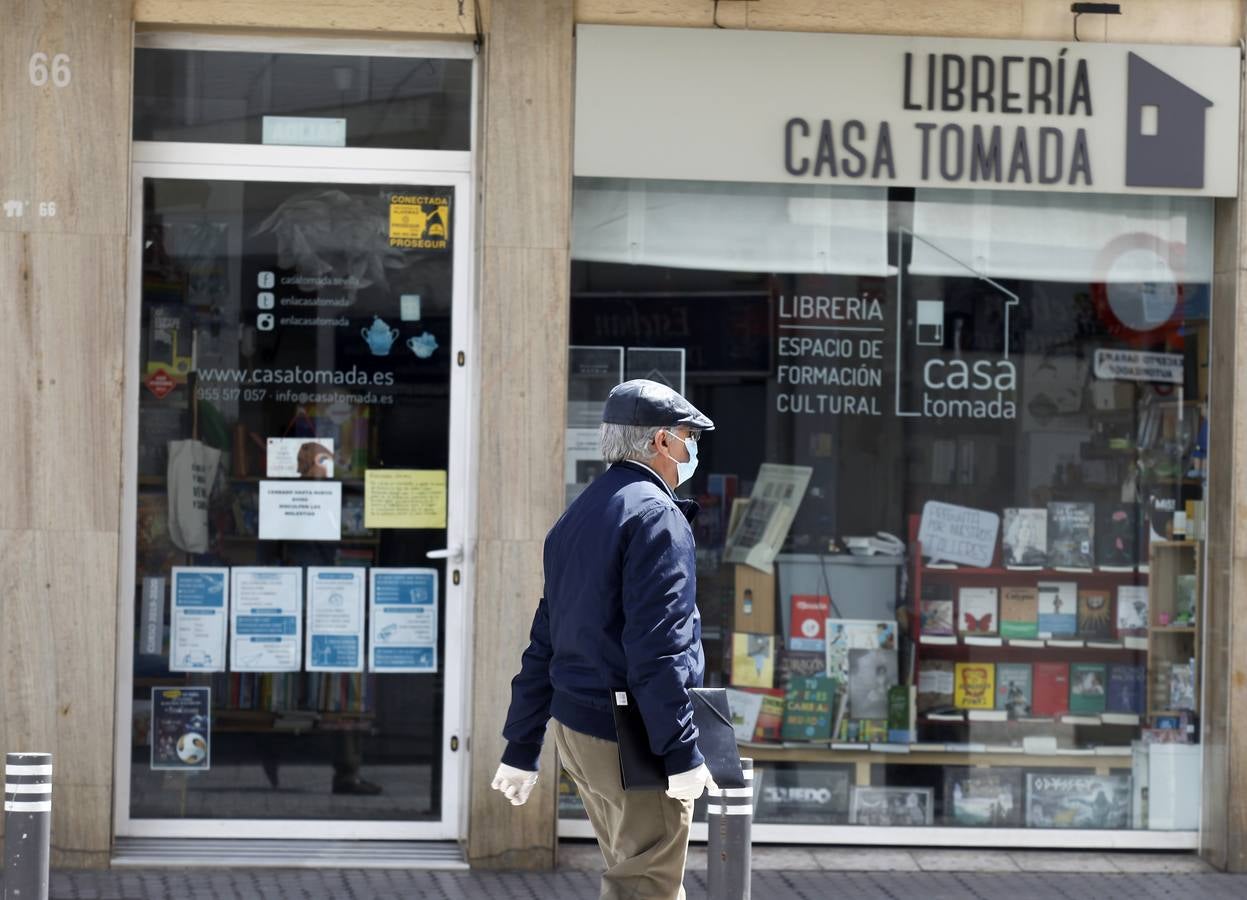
{"x":731,"y":227}
{"x":1062,"y":237}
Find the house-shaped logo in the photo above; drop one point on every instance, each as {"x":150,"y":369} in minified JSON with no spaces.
{"x":1164,"y":129}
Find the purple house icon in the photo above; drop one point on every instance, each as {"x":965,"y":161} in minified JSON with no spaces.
{"x":1164,"y":129}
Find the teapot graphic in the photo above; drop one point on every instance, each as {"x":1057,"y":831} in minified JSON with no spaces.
{"x":379,"y":336}
{"x":422,"y":345}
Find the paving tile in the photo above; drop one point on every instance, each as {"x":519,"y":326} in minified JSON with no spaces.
{"x":1175,"y":863}
{"x":1061,"y":861}
{"x":865,"y":859}
{"x":786,"y":859}
{"x":964,"y":861}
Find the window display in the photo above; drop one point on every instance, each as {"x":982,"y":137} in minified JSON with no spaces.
{"x":951,"y":528}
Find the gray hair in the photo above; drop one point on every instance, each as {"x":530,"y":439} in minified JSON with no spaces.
{"x":620,"y":442}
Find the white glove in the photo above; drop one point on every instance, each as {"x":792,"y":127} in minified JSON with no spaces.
{"x":689,"y":785}
{"x":515,"y":783}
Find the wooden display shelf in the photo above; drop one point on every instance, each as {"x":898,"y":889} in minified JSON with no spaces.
{"x":863,"y":759}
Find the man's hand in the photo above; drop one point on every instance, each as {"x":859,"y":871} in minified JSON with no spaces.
{"x":515,"y":784}
{"x":690,"y":785}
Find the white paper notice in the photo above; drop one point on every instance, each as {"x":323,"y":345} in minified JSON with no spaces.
{"x":199,"y":621}
{"x":403,"y":635}
{"x":266,"y":619}
{"x":958,"y":534}
{"x":300,"y":510}
{"x":335,"y":620}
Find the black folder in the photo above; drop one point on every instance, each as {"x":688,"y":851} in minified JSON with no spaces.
{"x":641,"y":770}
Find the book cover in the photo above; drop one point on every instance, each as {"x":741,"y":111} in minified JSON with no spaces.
{"x":798,"y":664}
{"x":753,"y":660}
{"x":983,"y":798}
{"x":892,"y":806}
{"x":1014,"y":689}
{"x":974,"y":685}
{"x":871,"y":673}
{"x":1182,"y":685}
{"x":1116,"y":533}
{"x":770,"y":715}
{"x":936,"y":606}
{"x":935,"y":684}
{"x":1058,"y":608}
{"x":977,"y":610}
{"x":804,"y":793}
{"x":1095,"y":619}
{"x":744,"y":707}
{"x":1019,"y":612}
{"x":1132,"y":610}
{"x":807,"y":624}
{"x":1071,"y":535}
{"x":1024,"y":537}
{"x":843,"y":635}
{"x":1184,"y":600}
{"x":1077,"y":801}
{"x":808,"y":707}
{"x":1087,"y":688}
{"x":901,"y":714}
{"x":1050,"y":695}
{"x":1127,"y":689}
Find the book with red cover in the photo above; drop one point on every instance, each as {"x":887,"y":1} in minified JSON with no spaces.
{"x":771,"y":716}
{"x":1051,"y":689}
{"x":808,"y":626}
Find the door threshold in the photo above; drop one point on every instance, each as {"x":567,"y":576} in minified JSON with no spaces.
{"x":286,"y":854}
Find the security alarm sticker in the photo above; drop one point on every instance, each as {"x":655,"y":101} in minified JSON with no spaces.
{"x":420,"y":221}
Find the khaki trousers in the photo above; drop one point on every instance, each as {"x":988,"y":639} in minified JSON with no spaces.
{"x":643,"y":835}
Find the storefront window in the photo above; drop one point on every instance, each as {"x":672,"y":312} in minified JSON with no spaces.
{"x":292,"y":457}
{"x":232,"y":97}
{"x":951,"y":539}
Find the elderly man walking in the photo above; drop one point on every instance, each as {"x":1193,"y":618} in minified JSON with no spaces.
{"x":620,"y":611}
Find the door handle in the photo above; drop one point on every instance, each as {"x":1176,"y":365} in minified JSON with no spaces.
{"x":453,"y":554}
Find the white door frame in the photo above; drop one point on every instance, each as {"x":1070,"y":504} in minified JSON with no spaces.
{"x":215,"y":162}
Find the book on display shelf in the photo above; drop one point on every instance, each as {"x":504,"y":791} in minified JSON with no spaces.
{"x":753,"y":660}
{"x":1024,"y":537}
{"x":1116,"y":536}
{"x":744,"y":707}
{"x":871,"y":673}
{"x":808,"y":707}
{"x":1127,"y":690}
{"x":1058,"y":609}
{"x":977,"y":610}
{"x":770,"y":720}
{"x":845,"y":635}
{"x":1014,"y":689}
{"x":808,"y":622}
{"x":1095,"y":615}
{"x":1019,"y":612}
{"x":974,"y":685}
{"x":936,"y":607}
{"x":1050,"y":691}
{"x":1087,"y":688}
{"x":1071,"y":535}
{"x":1077,"y":801}
{"x":935,"y":685}
{"x":983,"y":798}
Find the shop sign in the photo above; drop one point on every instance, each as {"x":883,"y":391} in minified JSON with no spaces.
{"x":745,"y":106}
{"x":160,"y":383}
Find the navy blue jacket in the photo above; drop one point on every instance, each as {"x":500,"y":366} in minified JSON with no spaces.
{"x":619,"y":610}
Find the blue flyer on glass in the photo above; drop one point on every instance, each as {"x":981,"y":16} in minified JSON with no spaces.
{"x":199,"y":619}
{"x":403,"y":636}
{"x":266,"y":619}
{"x":335,"y":620}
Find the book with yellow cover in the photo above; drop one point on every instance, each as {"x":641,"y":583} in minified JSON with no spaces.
{"x":753,"y":660}
{"x":974,"y":685}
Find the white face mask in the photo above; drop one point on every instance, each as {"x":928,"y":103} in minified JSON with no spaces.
{"x":684,"y":470}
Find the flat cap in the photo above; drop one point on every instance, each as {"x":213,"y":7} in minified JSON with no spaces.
{"x":642,"y":402}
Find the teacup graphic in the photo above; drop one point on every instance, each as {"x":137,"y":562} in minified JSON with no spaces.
{"x":423,"y":345}
{"x":379,"y":337}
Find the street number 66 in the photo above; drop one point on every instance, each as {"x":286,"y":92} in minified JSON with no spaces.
{"x":39,"y":70}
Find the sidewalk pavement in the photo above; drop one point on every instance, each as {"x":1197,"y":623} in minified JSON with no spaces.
{"x":780,"y":873}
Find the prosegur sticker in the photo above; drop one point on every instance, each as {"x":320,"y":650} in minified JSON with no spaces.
{"x":420,"y":221}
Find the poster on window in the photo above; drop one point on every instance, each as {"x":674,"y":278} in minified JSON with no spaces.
{"x":777,"y":492}
{"x":198,"y":623}
{"x":335,"y":620}
{"x":181,"y":729}
{"x":266,"y":619}
{"x":403,"y":633}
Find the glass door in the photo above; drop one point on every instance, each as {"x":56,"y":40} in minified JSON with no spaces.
{"x":297,"y":457}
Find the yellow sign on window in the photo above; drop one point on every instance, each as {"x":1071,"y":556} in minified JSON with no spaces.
{"x":405,"y":498}
{"x":420,"y":221}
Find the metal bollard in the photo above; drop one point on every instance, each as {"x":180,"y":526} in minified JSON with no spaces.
{"x":27,"y":825}
{"x":729,"y":826}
